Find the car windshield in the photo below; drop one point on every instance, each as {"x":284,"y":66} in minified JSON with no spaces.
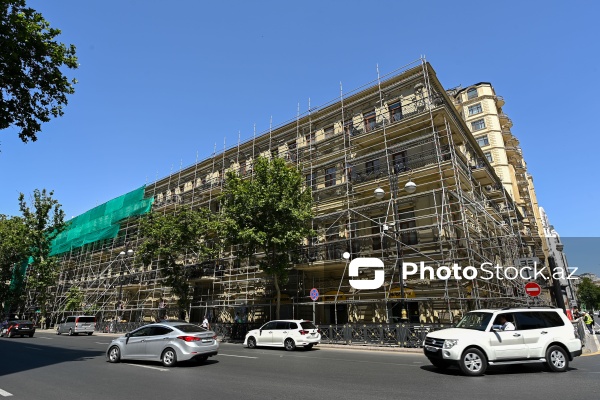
{"x":307,"y":325}
{"x":475,"y":320}
{"x":190,"y":328}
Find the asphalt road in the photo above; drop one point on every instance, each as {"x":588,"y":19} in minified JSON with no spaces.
{"x":51,"y":367}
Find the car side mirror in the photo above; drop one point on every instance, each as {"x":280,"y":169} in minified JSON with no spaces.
{"x":127,"y":334}
{"x":496,"y":328}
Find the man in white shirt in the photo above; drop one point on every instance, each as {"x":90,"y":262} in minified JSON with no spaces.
{"x":506,"y":324}
{"x":205,"y":323}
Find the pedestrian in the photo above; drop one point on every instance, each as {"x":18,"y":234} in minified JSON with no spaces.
{"x":162,"y":309}
{"x":589,"y":322}
{"x":205,"y":323}
{"x":576,"y":313}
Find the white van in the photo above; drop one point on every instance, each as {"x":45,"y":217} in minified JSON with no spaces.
{"x":76,"y":324}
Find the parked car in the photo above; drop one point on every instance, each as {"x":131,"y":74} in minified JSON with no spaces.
{"x":537,"y":335}
{"x":76,"y":324}
{"x":17,"y":328}
{"x":168,"y":342}
{"x":284,"y":333}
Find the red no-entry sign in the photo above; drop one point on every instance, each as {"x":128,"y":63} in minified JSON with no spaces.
{"x":533,"y":289}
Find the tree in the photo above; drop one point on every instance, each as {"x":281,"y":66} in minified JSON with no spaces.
{"x":589,"y":294}
{"x":75,"y":298}
{"x":271,"y":211}
{"x":32,"y":86}
{"x":14,"y":250}
{"x":168,"y":238}
{"x":44,"y":221}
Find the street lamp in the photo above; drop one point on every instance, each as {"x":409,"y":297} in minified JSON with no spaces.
{"x":410,"y":187}
{"x":122,"y":256}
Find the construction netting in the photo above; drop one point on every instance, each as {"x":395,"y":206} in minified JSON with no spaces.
{"x":101,"y":222}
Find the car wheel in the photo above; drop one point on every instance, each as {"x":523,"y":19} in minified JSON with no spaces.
{"x":169,"y":357}
{"x":309,"y":346}
{"x":289,"y":344}
{"x":473,"y":362}
{"x":70,"y":332}
{"x":90,"y":333}
{"x":251,"y":343}
{"x":11,"y":334}
{"x":114,"y":354}
{"x":557,"y":359}
{"x":441,"y":364}
{"x":57,"y":332}
{"x":31,"y":335}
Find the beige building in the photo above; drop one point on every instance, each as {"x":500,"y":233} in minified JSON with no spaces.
{"x":400,"y":170}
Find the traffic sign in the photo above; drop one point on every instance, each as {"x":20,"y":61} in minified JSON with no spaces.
{"x":314,"y":294}
{"x":533,"y":289}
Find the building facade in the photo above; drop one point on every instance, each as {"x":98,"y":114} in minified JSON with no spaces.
{"x":471,"y":205}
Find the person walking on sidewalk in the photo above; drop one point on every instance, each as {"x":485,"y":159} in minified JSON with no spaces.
{"x":589,"y":322}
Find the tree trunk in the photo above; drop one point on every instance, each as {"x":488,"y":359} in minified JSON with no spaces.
{"x":278,"y":298}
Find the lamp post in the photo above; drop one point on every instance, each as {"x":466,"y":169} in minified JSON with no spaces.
{"x":379,"y":193}
{"x":122,"y":256}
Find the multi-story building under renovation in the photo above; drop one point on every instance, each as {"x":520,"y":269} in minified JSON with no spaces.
{"x":395,"y":173}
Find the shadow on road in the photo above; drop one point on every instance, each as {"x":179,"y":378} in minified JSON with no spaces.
{"x":22,"y":354}
{"x":494,"y":370}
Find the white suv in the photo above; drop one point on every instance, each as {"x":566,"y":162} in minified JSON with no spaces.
{"x":540,"y":335}
{"x":284,"y":333}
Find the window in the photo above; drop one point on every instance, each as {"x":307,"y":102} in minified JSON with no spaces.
{"x":483,"y":141}
{"x":475,"y":109}
{"x":399,"y":160}
{"x":310,"y":138}
{"x":471,"y":93}
{"x":292,"y":150}
{"x":372,"y":167}
{"x":160,"y":330}
{"x":311,"y":180}
{"x":330,"y":179}
{"x":538,"y":320}
{"x":349,"y":127}
{"x":408,"y":224}
{"x":489,"y":157}
{"x":395,"y":111}
{"x":329,"y":132}
{"x":477,"y":125}
{"x":369,"y":121}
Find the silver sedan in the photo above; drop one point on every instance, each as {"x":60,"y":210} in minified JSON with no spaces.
{"x":167,"y":342}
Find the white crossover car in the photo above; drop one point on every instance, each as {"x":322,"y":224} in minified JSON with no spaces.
{"x":506,"y":336}
{"x":284,"y":333}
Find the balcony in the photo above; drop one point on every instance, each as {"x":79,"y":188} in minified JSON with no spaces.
{"x":505,"y":122}
{"x":499,"y":101}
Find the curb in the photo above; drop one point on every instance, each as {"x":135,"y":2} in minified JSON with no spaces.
{"x":361,"y":347}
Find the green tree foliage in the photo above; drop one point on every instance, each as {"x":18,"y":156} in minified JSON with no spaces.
{"x":74,"y":299}
{"x":13,"y":250}
{"x":270,"y":212}
{"x":32,"y":86}
{"x":167,"y":238}
{"x":44,"y":221}
{"x":589,"y":294}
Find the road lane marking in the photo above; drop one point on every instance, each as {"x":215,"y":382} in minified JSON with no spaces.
{"x":102,"y":342}
{"x":43,"y":337}
{"x":233,"y":355}
{"x":5,"y":393}
{"x":32,"y":348}
{"x":148,"y":366}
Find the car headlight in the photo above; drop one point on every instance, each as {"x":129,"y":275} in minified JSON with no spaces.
{"x":450,"y":343}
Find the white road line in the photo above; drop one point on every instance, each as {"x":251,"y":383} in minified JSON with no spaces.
{"x":32,"y":348}
{"x":102,"y":342}
{"x":43,"y":337}
{"x":5,"y":393}
{"x":232,"y":355}
{"x":148,"y":366}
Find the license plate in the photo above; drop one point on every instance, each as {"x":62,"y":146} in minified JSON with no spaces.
{"x":207,"y":340}
{"x":431,"y":348}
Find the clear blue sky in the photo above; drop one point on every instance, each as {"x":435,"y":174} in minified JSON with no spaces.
{"x":160,"y":82}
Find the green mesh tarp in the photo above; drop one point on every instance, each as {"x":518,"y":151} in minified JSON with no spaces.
{"x":101,"y":222}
